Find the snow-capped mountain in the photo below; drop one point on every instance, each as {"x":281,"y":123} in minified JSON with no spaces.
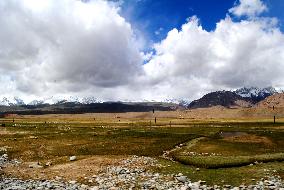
{"x":11,"y":101}
{"x":256,"y":94}
{"x":71,"y":99}
{"x":90,"y":100}
{"x":182,"y":102}
{"x":15,"y":101}
{"x":36,"y":102}
{"x":5,"y":102}
{"x":252,"y":94}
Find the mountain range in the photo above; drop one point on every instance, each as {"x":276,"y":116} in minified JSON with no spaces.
{"x":220,"y":98}
{"x":15,"y":101}
{"x":252,"y":94}
{"x":244,"y":97}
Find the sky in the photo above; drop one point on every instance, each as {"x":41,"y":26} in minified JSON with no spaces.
{"x":138,"y":49}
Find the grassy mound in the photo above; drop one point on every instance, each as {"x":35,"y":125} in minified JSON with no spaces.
{"x":227,"y":161}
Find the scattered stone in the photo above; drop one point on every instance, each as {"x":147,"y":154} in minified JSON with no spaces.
{"x":57,"y":178}
{"x":35,"y":165}
{"x":73,"y":182}
{"x":73,"y":158}
{"x":202,"y":182}
{"x":182,"y":179}
{"x":227,"y":186}
{"x":130,"y":173}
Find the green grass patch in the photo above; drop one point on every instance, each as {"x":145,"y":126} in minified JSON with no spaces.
{"x":60,"y":140}
{"x":234,"y":176}
{"x":227,"y":161}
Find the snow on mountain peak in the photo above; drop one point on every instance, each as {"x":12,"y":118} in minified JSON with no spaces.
{"x":10,"y":101}
{"x":255,"y":93}
{"x":15,"y":101}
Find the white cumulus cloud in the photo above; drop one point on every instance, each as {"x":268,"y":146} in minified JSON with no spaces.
{"x":249,"y":8}
{"x":193,"y":61}
{"x":66,"y":46}
{"x":75,"y":48}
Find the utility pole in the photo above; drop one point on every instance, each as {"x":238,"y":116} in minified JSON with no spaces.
{"x":274,"y":120}
{"x":274,"y":117}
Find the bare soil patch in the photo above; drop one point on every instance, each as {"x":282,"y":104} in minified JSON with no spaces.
{"x":75,"y":170}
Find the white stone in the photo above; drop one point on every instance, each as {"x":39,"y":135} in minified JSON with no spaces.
{"x":182,"y":179}
{"x":73,"y":182}
{"x":72,"y":158}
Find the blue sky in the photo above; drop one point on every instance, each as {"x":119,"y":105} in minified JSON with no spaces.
{"x":154,"y":18}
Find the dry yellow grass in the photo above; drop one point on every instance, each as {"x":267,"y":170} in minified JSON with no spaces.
{"x":217,"y":113}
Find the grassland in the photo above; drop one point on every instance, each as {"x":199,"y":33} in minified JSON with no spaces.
{"x":224,"y":152}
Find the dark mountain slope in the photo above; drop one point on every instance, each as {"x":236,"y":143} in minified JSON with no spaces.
{"x":220,"y":98}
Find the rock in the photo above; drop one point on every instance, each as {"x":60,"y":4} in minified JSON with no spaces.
{"x":122,"y":171}
{"x":57,"y":178}
{"x":182,"y":179}
{"x":179,"y":174}
{"x":94,"y":188}
{"x":202,"y":182}
{"x":156,"y":175}
{"x":194,"y":185}
{"x":84,"y":186}
{"x":73,"y":182}
{"x":130,"y":174}
{"x":5,"y":156}
{"x":73,"y":158}
{"x":35,"y":165}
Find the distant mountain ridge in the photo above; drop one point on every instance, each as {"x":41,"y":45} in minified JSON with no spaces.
{"x":243,"y":97}
{"x":249,"y":94}
{"x":15,"y":101}
{"x":276,"y":100}
{"x":78,"y":108}
{"x":220,"y":98}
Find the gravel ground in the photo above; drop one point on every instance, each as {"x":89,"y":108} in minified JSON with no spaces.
{"x":129,"y":174}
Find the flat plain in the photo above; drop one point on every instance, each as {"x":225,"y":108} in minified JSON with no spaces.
{"x":228,"y":146}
